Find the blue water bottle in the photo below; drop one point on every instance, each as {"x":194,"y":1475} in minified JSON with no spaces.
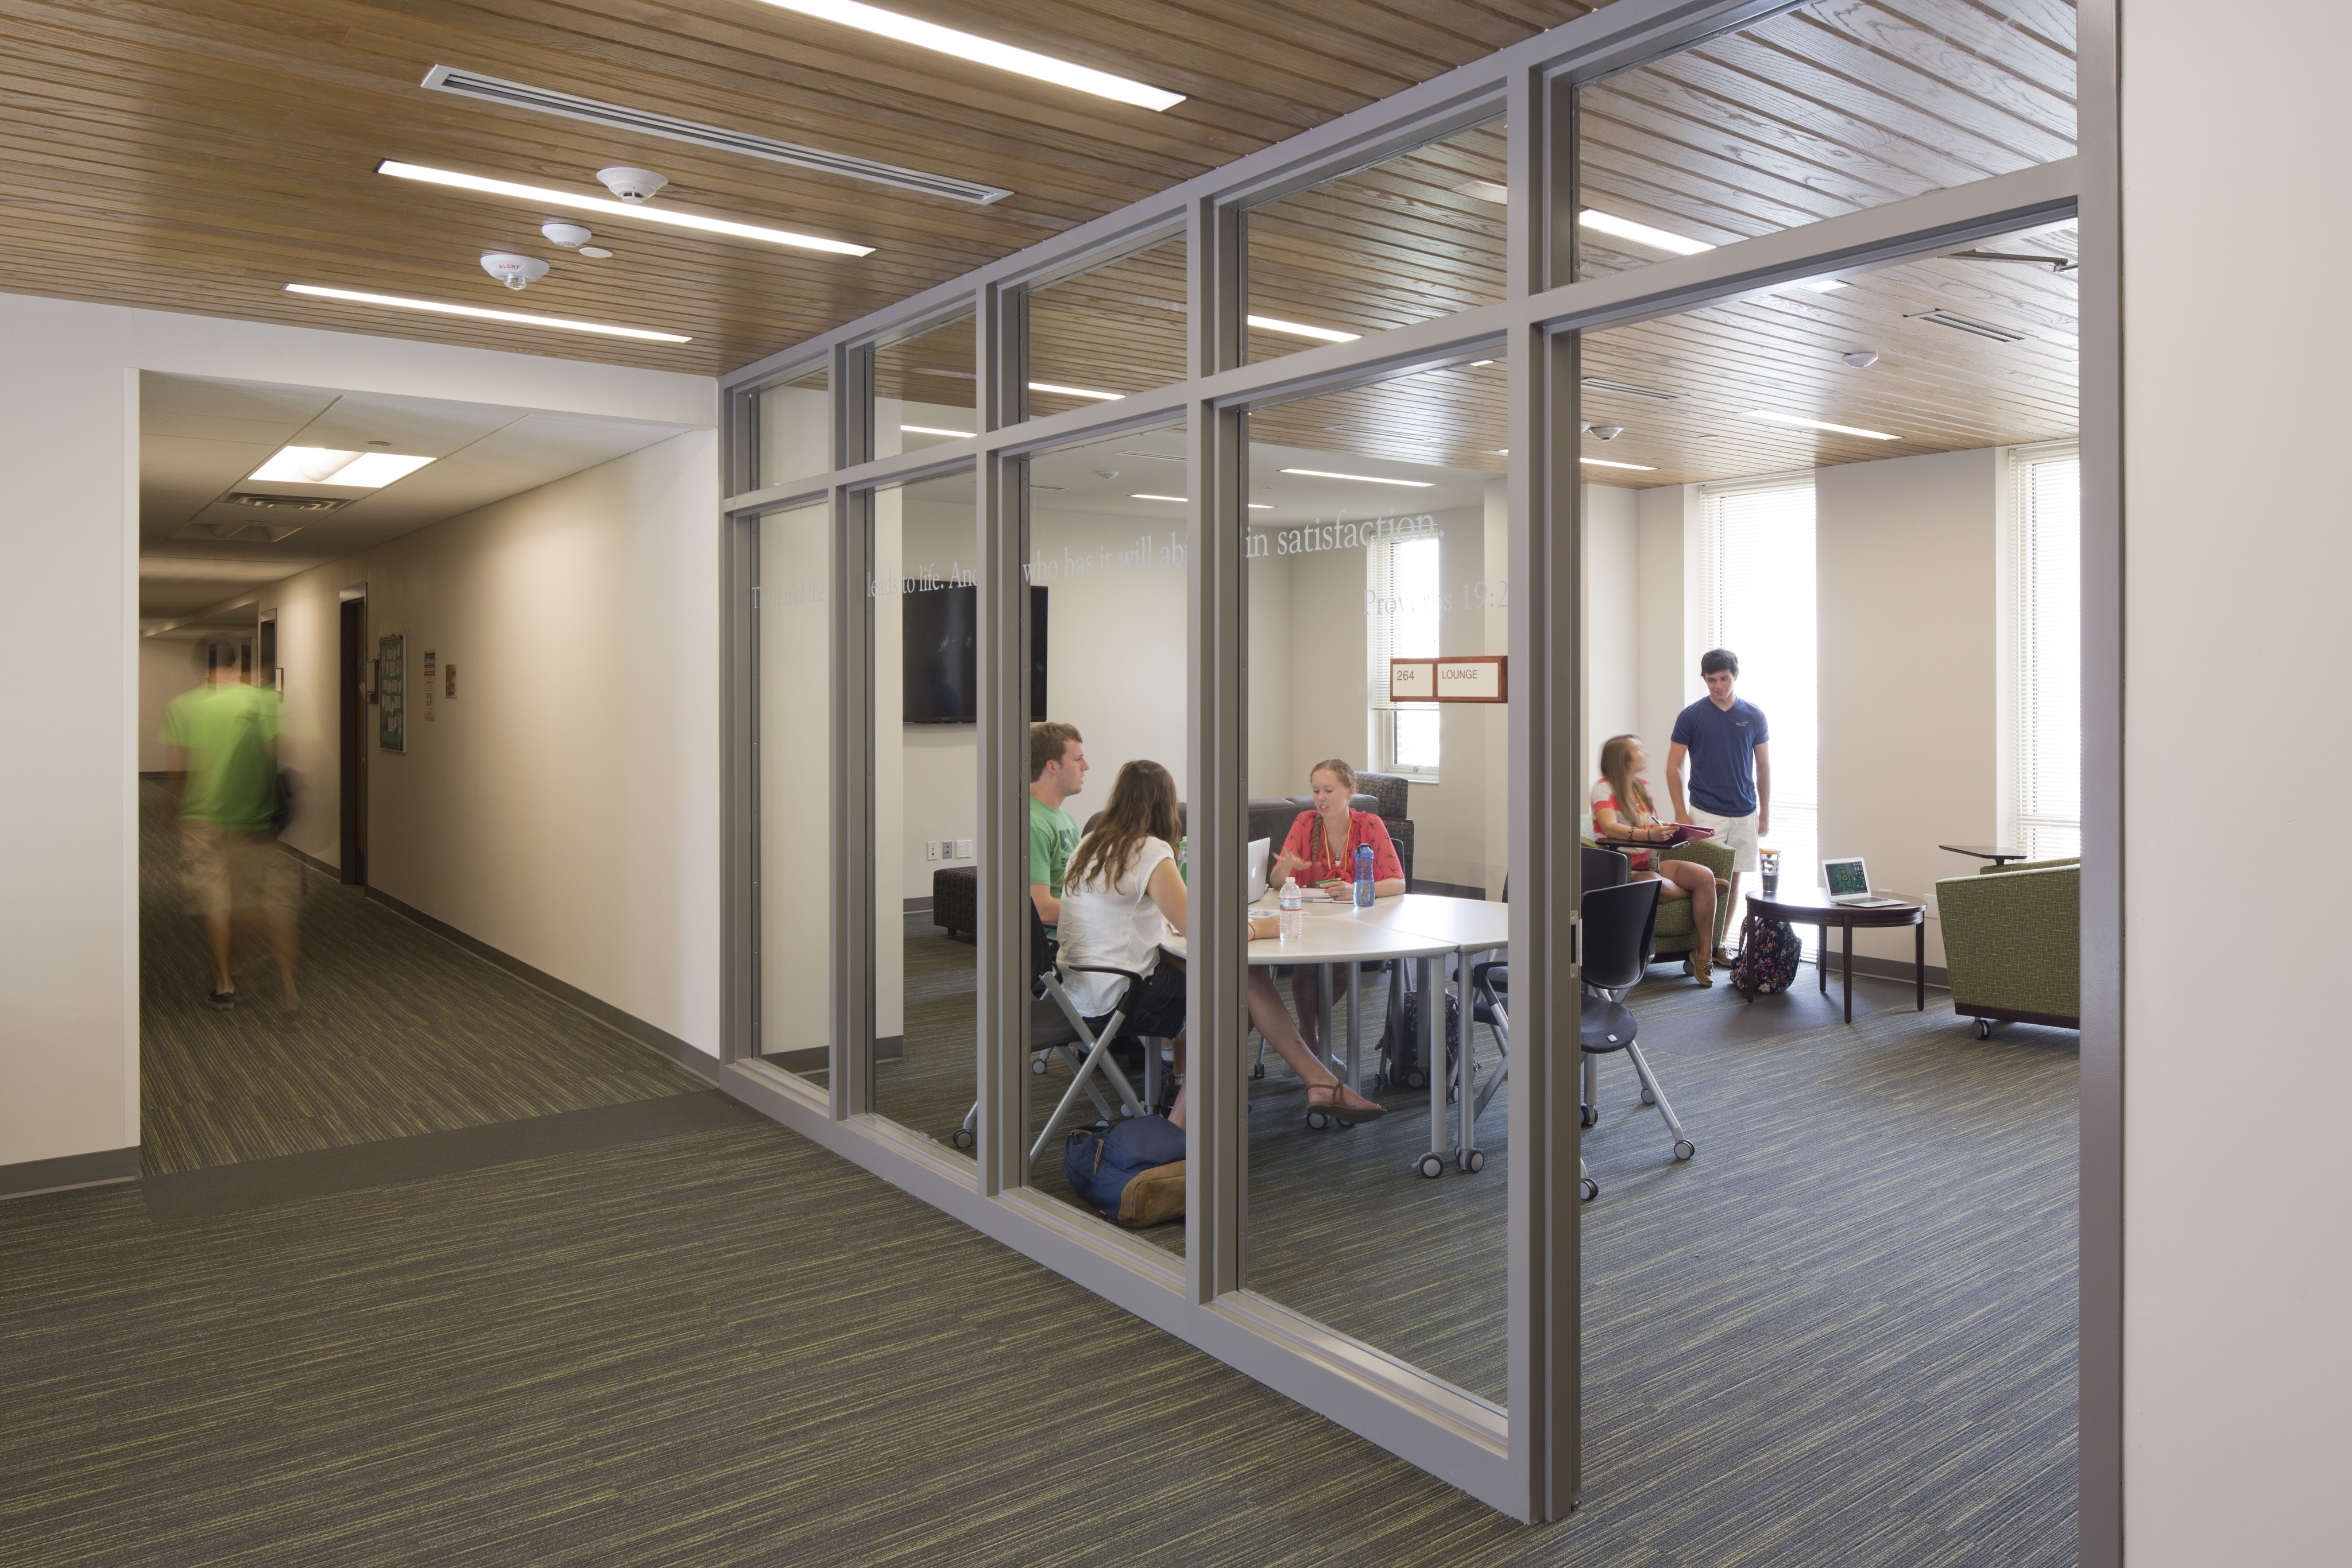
{"x":1363,"y":876}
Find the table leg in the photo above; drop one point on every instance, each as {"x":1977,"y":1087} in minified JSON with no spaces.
{"x":1354,"y":1079}
{"x":1849,"y":972}
{"x":1432,"y":1050}
{"x":1919,"y":964}
{"x":1821,"y":960}
{"x":1323,"y":1017}
{"x":1469,"y":1079}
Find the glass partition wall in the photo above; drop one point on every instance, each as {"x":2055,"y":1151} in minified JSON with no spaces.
{"x":1087,"y":488}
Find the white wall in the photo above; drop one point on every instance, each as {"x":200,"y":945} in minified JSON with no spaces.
{"x":562,"y":806}
{"x":2238,"y":1367}
{"x":1904,"y":556}
{"x":1672,"y":619}
{"x":1612,"y":619}
{"x":167,"y":666}
{"x":68,"y":412}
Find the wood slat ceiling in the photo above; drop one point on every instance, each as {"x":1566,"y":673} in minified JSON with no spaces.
{"x":196,"y":154}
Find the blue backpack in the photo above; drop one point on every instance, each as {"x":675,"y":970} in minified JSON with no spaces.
{"x":1132,"y":1171}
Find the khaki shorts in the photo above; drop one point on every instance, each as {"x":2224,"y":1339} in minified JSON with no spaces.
{"x":1737,"y":834}
{"x":229,"y":873}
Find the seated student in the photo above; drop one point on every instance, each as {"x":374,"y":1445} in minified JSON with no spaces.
{"x":1120,"y":888}
{"x":1320,"y":851}
{"x":1621,"y":816}
{"x":1058,"y":770}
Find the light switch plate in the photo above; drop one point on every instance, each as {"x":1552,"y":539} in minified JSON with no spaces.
{"x":963,"y":849}
{"x":930,"y":849}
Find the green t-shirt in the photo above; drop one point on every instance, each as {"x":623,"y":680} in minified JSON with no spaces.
{"x":1053,"y":834}
{"x":227,"y":732}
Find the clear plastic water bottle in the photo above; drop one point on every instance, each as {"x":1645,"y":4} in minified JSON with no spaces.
{"x":1363,"y":876}
{"x":1292,"y":903}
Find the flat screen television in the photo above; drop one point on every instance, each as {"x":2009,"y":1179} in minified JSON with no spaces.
{"x":941,"y":656}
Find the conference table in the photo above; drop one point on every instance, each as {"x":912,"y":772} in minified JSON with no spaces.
{"x":1421,"y":929}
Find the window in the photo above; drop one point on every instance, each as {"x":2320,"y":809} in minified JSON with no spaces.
{"x":2042,"y":793}
{"x":1756,"y":552}
{"x":1403,"y":591}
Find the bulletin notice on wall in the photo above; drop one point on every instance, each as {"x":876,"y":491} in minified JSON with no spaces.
{"x":392,"y":694}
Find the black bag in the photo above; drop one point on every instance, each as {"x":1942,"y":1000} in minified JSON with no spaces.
{"x":1768,"y":952}
{"x":1401,"y":1044}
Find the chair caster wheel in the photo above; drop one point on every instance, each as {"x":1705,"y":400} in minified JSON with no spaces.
{"x":964,"y":1138}
{"x":1126,"y":1113}
{"x":1590,"y":1189}
{"x":1038,"y":1066}
{"x":1431,"y":1165}
{"x":1318,"y":1120}
{"x":1684,"y":1148}
{"x":1648,"y":1098}
{"x":1984,"y":1028}
{"x":1587,"y":1114}
{"x":1416,"y":1079}
{"x":1472,"y":1160}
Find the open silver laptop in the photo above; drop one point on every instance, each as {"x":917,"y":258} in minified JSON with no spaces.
{"x":1253,"y":884}
{"x":1848,"y":882}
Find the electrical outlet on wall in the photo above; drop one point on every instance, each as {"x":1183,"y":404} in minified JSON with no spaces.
{"x":1932,"y":915}
{"x":963,"y":849}
{"x":930,"y":849}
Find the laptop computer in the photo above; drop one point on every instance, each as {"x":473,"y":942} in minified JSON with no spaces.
{"x":1848,"y":882}
{"x":1253,"y":884}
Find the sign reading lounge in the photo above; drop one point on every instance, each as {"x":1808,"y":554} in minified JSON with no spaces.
{"x":1472,"y":678}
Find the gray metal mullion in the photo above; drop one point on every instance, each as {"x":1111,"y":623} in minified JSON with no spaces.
{"x":738,"y":784}
{"x":1004,"y":913}
{"x":849,"y":385}
{"x":1544,"y":718}
{"x":1216,"y":289}
{"x":848,"y":1086}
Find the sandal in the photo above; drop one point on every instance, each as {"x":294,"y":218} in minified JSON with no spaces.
{"x":1339,"y":1109}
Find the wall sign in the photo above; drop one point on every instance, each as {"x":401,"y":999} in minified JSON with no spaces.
{"x":1470,"y":678}
{"x":390,"y":688}
{"x":430,"y":673}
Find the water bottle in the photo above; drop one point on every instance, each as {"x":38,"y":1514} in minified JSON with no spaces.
{"x":1292,"y":921}
{"x":1363,"y":876}
{"x":1184,"y":859}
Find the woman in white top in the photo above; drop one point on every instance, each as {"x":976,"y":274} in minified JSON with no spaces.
{"x":1623,"y":819}
{"x":1119,"y":891}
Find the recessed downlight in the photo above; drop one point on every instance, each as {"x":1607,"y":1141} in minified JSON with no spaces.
{"x":436,"y":307}
{"x":638,"y":210}
{"x":1300,"y":330}
{"x":1360,"y":478}
{"x":983,"y":51}
{"x":1769,"y":417}
{"x":1640,"y":234}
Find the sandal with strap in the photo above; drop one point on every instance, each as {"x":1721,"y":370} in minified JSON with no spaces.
{"x":1335,"y":1106}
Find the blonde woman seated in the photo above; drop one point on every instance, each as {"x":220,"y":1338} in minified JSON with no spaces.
{"x":1320,"y":851}
{"x":1623,"y":819}
{"x":1120,"y":886}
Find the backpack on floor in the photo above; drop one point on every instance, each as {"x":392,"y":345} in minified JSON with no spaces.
{"x":1400,"y":1045}
{"x":1769,"y":951}
{"x":1132,"y":1171}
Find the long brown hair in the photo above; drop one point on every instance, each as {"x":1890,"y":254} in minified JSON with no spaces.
{"x":1142,"y":806}
{"x":1617,"y":766}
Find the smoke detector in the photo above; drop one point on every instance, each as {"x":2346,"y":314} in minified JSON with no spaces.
{"x":514,"y":271}
{"x":570,"y":236}
{"x":630,"y":184}
{"x":1861,"y":359}
{"x":1605,"y":431}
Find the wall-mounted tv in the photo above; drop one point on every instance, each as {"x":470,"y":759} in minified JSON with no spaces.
{"x":942,"y":666}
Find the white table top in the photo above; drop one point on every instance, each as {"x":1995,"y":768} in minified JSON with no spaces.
{"x":1404,"y":925}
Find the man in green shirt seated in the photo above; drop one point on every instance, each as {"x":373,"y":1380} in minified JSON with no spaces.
{"x":224,"y":740}
{"x":1058,"y":770}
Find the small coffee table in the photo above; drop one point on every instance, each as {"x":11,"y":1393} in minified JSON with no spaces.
{"x":1818,"y":911}
{"x":1999,"y":854}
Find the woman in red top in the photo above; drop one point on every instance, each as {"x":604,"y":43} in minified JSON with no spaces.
{"x":1622,"y":817}
{"x":1322,"y":853}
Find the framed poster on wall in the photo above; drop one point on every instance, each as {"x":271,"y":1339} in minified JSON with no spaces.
{"x":392,"y":685}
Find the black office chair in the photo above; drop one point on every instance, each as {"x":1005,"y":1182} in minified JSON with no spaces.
{"x":1620,"y":925}
{"x":1490,"y":983}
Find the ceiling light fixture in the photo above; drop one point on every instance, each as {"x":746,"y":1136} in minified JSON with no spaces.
{"x":374,"y":470}
{"x":1769,"y":417}
{"x":1826,"y":285}
{"x":1604,"y":462}
{"x":1187,"y":500}
{"x":1640,"y":234}
{"x":1076,"y":391}
{"x":1297,"y":329}
{"x":929,"y":430}
{"x":1365,"y":479}
{"x":670,"y":216}
{"x":327,"y":465}
{"x":437,"y":308}
{"x":983,"y":51}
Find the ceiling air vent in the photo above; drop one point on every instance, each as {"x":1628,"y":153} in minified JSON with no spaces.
{"x":239,"y":533}
{"x":644,"y":122}
{"x":1959,"y":323}
{"x":1626,"y":389}
{"x":288,"y":503}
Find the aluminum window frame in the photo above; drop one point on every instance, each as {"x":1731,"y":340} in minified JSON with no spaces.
{"x":1521,"y":1458}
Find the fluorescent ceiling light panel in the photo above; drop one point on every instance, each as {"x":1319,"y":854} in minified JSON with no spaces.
{"x":374,"y":470}
{"x":475,"y":311}
{"x":1769,"y":417}
{"x":983,"y":51}
{"x":1297,"y":329}
{"x":1076,"y":391}
{"x":1187,"y":500}
{"x":929,"y":430}
{"x":1640,"y":234}
{"x":1366,"y":479}
{"x":1485,"y":191}
{"x":1604,"y":462}
{"x":1827,"y":285}
{"x":303,"y":465}
{"x":640,"y":211}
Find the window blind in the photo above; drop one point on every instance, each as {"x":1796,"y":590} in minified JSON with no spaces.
{"x":2045,"y":653}
{"x":1404,"y":593}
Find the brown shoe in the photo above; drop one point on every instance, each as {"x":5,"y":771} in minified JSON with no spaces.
{"x":1341,"y":1106}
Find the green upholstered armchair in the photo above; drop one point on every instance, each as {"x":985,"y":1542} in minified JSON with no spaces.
{"x":1676,"y":934}
{"x":2012,"y":941}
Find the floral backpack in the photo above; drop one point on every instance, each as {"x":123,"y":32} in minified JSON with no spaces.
{"x":1768,"y":952}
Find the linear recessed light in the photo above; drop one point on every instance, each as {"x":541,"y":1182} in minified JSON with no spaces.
{"x":640,"y":210}
{"x":329,"y":465}
{"x":1075,"y":391}
{"x":1477,"y":364}
{"x":1826,"y":285}
{"x":1640,"y":234}
{"x":1771,"y":417}
{"x":374,"y":470}
{"x":1485,"y":191}
{"x":439,"y":308}
{"x":1298,"y":329}
{"x":983,"y":51}
{"x":1187,"y":500}
{"x":1605,"y":463}
{"x":931,"y":430}
{"x":1629,"y":389}
{"x":1366,"y":479}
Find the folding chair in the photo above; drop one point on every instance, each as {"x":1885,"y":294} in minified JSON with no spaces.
{"x":1057,"y":1030}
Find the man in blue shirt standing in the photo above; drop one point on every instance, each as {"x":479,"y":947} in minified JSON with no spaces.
{"x":1730,"y":767}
